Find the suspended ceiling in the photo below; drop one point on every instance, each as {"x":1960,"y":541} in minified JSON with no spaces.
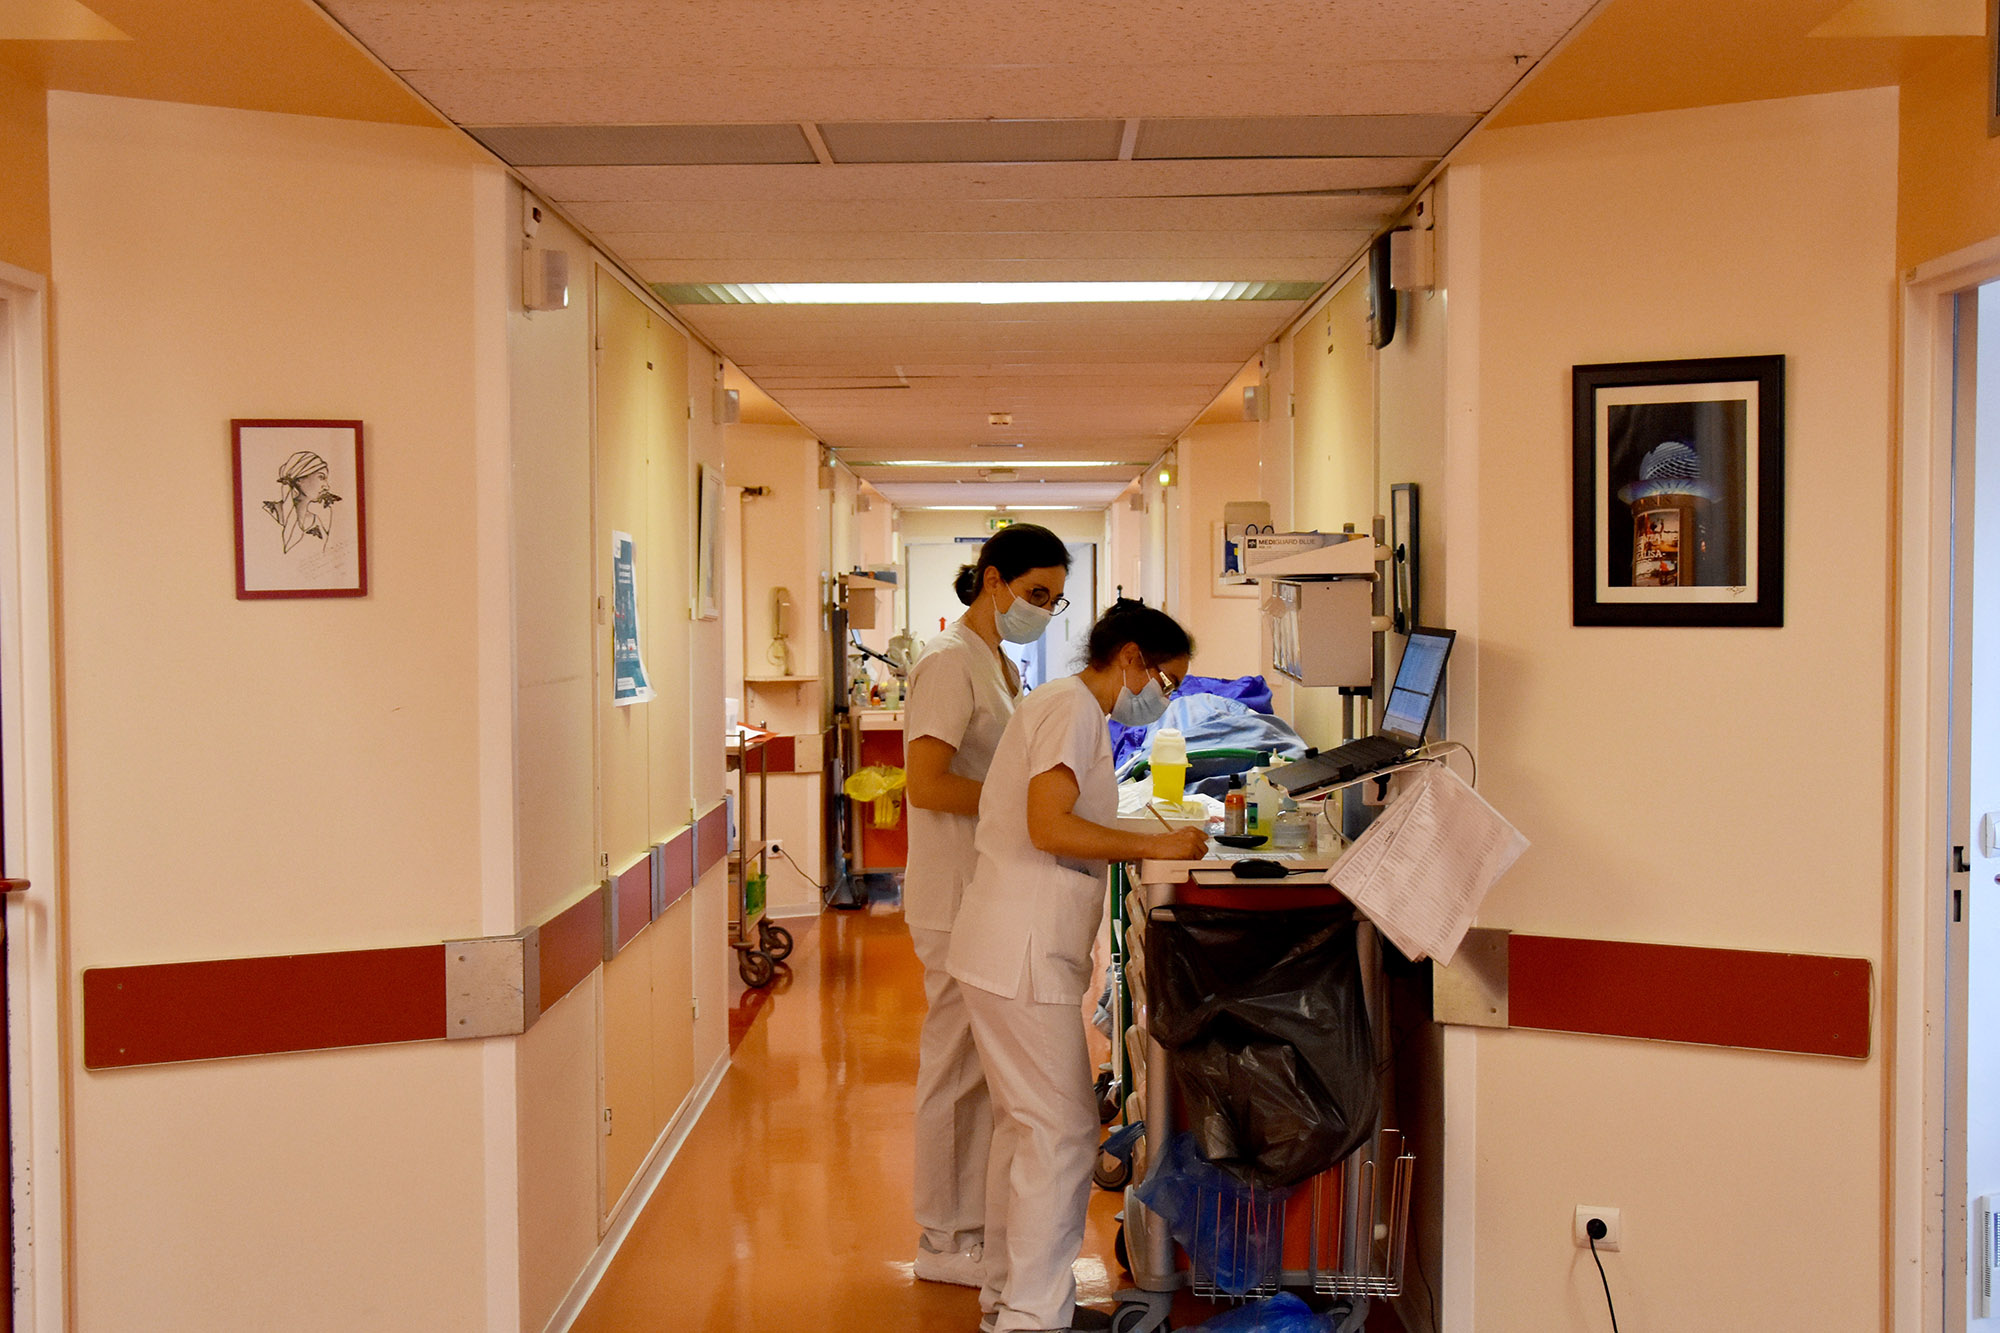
{"x":713,"y":141}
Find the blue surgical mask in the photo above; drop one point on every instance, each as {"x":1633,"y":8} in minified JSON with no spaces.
{"x":1141,"y":709}
{"x":1023,"y":622}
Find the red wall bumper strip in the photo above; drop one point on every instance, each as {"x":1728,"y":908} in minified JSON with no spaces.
{"x":677,"y":875}
{"x":572,"y":947}
{"x":168,"y":1012}
{"x":711,"y":839}
{"x":1804,"y":1003}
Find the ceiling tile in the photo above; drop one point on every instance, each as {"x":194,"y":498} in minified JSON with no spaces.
{"x":1301,"y":136}
{"x":973,"y":141}
{"x":681,"y":145}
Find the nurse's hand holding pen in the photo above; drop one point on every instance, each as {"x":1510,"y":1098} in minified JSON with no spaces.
{"x":1181,"y":844}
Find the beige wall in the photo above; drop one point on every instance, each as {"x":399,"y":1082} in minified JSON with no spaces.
{"x":1333,"y":462}
{"x":267,"y":777}
{"x":596,"y":781}
{"x":786,"y":537}
{"x":24,"y":173}
{"x":1217,"y":464}
{"x":1949,"y":166}
{"x":1766,"y":227}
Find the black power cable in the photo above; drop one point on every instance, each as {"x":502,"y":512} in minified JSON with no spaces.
{"x":1595,"y":1230}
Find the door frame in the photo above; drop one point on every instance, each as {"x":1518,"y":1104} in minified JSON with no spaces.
{"x":1921,"y":815}
{"x":34,"y":920}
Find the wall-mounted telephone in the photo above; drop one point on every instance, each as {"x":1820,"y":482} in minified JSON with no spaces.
{"x":781,"y":631}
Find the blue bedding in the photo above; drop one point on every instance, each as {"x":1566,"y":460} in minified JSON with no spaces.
{"x":1213,"y":714}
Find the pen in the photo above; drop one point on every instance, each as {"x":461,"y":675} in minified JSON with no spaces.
{"x":1162,"y":818}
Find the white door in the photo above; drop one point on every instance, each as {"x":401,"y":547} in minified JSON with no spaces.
{"x":34,"y":966}
{"x":1972,"y":916}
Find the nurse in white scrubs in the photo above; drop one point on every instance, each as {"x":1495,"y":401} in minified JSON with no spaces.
{"x":1022,"y":953}
{"x":962,"y":692}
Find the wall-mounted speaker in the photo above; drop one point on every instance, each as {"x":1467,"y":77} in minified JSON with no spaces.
{"x":545,"y":279}
{"x":1381,"y":296}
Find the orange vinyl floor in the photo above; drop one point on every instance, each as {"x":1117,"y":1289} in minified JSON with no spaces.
{"x":788,"y":1208}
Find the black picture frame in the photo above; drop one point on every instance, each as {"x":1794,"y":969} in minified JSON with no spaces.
{"x":1678,"y":511}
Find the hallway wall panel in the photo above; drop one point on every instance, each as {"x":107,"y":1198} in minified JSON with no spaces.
{"x":251,"y":778}
{"x":1667,"y":777}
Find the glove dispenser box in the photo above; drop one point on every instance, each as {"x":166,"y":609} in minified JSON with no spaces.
{"x":1322,"y":631}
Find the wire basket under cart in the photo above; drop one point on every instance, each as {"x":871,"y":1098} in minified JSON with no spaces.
{"x":1340,"y":1232}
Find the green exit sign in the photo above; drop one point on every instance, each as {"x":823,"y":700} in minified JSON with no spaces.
{"x":997,"y":522}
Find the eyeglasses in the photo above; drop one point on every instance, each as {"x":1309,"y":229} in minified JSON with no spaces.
{"x":1168,"y":685}
{"x":1039,"y":597}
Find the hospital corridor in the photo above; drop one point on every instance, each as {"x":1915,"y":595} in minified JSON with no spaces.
{"x":1018,"y":666}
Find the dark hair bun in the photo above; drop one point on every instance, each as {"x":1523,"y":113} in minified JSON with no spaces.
{"x":1160,"y":637}
{"x":966,"y":585}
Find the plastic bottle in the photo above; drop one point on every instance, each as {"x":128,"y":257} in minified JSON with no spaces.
{"x":1235,"y":808}
{"x":1262,"y":799}
{"x":1170,"y":766}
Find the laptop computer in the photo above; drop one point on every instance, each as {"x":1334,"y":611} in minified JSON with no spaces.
{"x":1405,"y":717}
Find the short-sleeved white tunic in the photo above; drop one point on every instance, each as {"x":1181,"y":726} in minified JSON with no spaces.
{"x":961,"y":694}
{"x":1029,"y":919}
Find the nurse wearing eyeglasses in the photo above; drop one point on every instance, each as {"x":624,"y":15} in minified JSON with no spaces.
{"x":1022,"y":952}
{"x":962,"y":692}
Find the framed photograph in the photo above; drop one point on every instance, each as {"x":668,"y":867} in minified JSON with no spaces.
{"x":301,"y":509}
{"x":708,"y":545}
{"x":1679,"y":503}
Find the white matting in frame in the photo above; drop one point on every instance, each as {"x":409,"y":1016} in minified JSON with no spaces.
{"x":301,"y":529}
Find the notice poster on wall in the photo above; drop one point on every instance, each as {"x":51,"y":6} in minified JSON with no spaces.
{"x":628,"y":668}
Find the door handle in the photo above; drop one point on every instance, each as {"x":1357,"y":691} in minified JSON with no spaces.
{"x":14,"y":886}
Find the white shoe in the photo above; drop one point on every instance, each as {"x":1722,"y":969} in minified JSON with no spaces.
{"x":965,"y":1268}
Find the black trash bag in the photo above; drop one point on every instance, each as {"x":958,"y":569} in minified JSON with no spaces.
{"x":1273,"y":1057}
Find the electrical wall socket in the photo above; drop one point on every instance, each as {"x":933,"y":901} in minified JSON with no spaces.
{"x":1613,"y":1233}
{"x":775,"y":846}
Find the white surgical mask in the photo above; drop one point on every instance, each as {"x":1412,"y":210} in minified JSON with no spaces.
{"x":1141,"y":709}
{"x":1023,"y":622}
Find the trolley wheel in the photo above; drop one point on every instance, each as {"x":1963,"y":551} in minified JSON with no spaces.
{"x":1138,"y":1319}
{"x":1110,"y":1173}
{"x":1118,"y":1250}
{"x":775,"y":940}
{"x":756,"y":968}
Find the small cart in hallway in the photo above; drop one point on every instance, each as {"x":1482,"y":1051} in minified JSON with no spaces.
{"x":757,"y":958}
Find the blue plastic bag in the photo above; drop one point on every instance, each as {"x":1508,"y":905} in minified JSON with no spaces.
{"x":1233,"y":1232}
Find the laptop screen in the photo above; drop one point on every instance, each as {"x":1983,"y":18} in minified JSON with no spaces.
{"x":1408,"y":710}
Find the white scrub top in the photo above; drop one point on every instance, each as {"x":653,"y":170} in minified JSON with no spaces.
{"x":1030,"y":918}
{"x":961,"y":693}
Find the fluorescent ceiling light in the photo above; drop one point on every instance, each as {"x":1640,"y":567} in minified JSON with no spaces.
{"x":1027,"y":464}
{"x":973,"y":293}
{"x":995,"y":509}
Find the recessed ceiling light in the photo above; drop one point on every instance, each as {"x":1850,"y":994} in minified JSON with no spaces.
{"x":973,"y":293}
{"x":999,"y":418}
{"x":1026,"y":462}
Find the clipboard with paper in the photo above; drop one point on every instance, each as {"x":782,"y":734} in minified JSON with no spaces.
{"x":1421,"y":870}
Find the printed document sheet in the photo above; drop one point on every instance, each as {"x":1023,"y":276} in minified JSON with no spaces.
{"x":1422,"y":868}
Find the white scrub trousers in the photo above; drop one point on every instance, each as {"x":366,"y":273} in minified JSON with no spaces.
{"x":954,"y":1120}
{"x":1045,"y":1135}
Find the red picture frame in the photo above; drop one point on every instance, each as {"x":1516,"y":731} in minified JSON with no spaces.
{"x":301,"y":515}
